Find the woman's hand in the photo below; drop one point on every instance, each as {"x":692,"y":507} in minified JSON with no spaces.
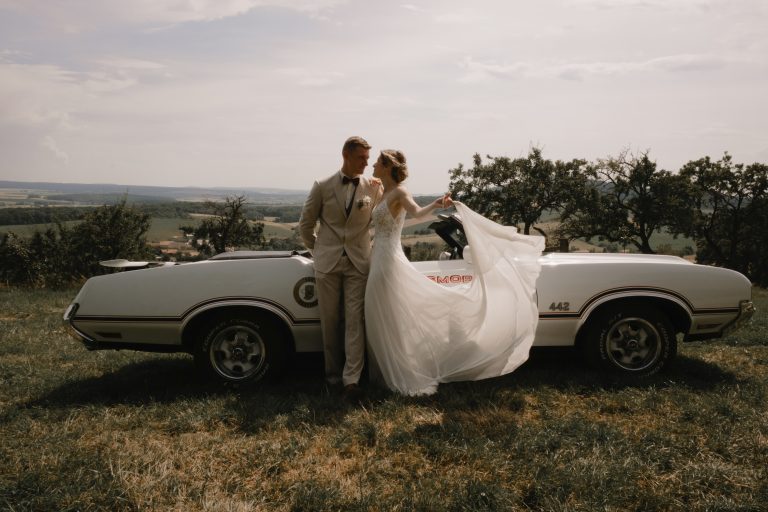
{"x":444,"y":202}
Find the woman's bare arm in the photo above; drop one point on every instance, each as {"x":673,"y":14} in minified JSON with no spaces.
{"x":404,"y":200}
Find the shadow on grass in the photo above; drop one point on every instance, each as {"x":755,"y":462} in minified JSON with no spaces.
{"x":166,"y":380}
{"x":152,"y":380}
{"x":562,"y":368}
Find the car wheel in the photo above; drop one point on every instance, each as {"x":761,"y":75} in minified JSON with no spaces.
{"x":633,"y":340}
{"x":240,"y":350}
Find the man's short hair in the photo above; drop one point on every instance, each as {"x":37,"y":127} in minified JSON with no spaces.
{"x":353,"y":143}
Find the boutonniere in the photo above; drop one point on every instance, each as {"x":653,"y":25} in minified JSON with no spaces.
{"x":363,"y":202}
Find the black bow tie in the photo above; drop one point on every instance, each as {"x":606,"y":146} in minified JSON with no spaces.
{"x":347,"y":179}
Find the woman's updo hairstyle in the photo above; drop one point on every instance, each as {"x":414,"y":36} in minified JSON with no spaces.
{"x":395,"y":160}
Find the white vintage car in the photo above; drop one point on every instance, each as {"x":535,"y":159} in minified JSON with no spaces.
{"x":242,"y":314}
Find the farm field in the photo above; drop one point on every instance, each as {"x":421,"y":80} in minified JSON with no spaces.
{"x":27,"y":230}
{"x":162,"y":228}
{"x":133,"y":431}
{"x":167,"y":229}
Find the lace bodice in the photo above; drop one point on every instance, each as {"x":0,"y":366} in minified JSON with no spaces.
{"x":387,"y":228}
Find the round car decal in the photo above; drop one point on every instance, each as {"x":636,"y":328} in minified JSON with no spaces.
{"x":305,"y":292}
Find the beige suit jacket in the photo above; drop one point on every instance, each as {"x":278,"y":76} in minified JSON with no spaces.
{"x":337,"y":232}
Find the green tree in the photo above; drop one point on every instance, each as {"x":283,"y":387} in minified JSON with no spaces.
{"x":628,"y":200}
{"x":17,"y":264}
{"x":520,"y":190}
{"x":729,"y":208}
{"x":61,"y":255}
{"x":756,"y":245}
{"x":292,"y":243}
{"x":108,"y":232}
{"x":52,"y":257}
{"x":226,"y":228}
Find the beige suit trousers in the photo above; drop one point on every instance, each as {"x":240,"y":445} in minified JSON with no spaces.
{"x":342,"y":288}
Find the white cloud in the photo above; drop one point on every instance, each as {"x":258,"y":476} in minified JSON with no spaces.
{"x":476,"y":71}
{"x":51,"y":145}
{"x":132,"y":64}
{"x":414,"y":8}
{"x":51,"y":96}
{"x":651,"y":4}
{"x":78,"y":15}
{"x":671,"y":63}
{"x":465,"y":16}
{"x":311,"y":78}
{"x":688,"y":62}
{"x":226,"y":103}
{"x":35,"y":95}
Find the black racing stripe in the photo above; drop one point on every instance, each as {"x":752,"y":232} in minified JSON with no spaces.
{"x":611,"y":291}
{"x":557,"y":316}
{"x":97,"y":318}
{"x":165,"y":319}
{"x":596,"y":297}
{"x":311,"y":321}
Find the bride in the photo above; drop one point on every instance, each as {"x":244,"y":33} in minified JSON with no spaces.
{"x":421,"y":333}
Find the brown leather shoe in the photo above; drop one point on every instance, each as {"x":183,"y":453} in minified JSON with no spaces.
{"x":353,"y":393}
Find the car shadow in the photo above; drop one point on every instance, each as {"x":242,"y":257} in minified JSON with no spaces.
{"x":562,"y":368}
{"x":166,"y":380}
{"x":152,"y":380}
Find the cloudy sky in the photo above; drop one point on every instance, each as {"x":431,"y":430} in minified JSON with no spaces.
{"x":262,"y":93}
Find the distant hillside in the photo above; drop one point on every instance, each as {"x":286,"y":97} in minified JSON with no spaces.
{"x":100,"y":193}
{"x":99,"y":199}
{"x":32,"y":193}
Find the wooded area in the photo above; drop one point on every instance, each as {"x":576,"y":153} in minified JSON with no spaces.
{"x":623,"y":200}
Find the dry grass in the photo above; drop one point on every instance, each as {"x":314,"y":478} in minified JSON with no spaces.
{"x":130,"y":431}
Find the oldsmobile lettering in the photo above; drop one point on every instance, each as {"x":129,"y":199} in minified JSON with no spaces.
{"x":451,"y":279}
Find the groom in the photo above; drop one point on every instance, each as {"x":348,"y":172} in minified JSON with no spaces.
{"x":343,"y":203}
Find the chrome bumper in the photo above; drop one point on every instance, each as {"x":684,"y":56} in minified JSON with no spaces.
{"x":69,"y":316}
{"x":746,"y":310}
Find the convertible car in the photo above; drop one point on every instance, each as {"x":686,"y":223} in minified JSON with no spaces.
{"x":243,"y":314}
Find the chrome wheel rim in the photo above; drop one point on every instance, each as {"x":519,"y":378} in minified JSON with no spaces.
{"x":237,"y":352}
{"x":633,"y":344}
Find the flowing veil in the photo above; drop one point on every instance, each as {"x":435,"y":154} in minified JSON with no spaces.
{"x":421,"y":333}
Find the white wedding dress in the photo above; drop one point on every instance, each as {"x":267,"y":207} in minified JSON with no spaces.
{"x":421,"y":333}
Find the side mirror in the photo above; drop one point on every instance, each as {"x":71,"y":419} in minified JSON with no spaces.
{"x":467,"y":255}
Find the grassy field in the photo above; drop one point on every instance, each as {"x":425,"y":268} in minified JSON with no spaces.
{"x":162,"y":228}
{"x":131,"y":431}
{"x":27,"y":230}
